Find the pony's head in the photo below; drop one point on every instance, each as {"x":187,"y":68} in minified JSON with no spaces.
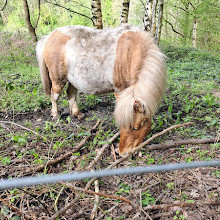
{"x":133,"y":135}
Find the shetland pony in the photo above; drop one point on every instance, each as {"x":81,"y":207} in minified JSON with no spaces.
{"x":124,"y":60}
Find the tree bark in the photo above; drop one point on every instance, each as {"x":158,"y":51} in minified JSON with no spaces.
{"x":194,"y":35}
{"x":148,"y":16}
{"x":153,"y":22}
{"x":97,"y":14}
{"x":28,"y":21}
{"x":124,"y":11}
{"x":159,"y":23}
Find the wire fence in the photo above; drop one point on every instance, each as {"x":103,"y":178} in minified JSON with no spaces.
{"x":49,"y":179}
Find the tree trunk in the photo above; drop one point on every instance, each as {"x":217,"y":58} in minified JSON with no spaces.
{"x":194,"y":35}
{"x":148,"y":16}
{"x":124,"y":11}
{"x":28,"y":21}
{"x":4,"y":17}
{"x":96,"y":14}
{"x":153,"y":23}
{"x":159,"y":23}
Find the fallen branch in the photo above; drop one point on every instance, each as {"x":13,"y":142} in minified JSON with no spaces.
{"x":181,"y":142}
{"x":64,"y":156}
{"x":96,"y":202}
{"x":140,"y":147}
{"x":15,"y":209}
{"x":13,"y":123}
{"x":77,"y":189}
{"x":101,"y":151}
{"x":63,"y":210}
{"x":96,"y":193}
{"x":180,"y":204}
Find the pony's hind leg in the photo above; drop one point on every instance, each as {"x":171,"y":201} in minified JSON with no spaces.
{"x":56,"y":89}
{"x":74,"y":110}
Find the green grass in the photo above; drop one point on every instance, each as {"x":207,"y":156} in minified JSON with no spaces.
{"x":193,"y":77}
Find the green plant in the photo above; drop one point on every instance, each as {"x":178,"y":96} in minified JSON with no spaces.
{"x":147,"y":198}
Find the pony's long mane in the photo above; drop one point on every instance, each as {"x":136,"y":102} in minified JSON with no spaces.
{"x":149,"y":85}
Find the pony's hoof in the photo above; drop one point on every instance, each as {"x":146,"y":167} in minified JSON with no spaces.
{"x":81,"y":116}
{"x":55,"y":118}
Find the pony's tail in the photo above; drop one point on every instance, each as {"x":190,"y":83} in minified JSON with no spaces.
{"x":44,"y":73}
{"x":148,"y":88}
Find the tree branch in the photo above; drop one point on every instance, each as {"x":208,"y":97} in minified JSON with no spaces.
{"x":173,"y":28}
{"x":38,"y":17}
{"x":68,"y":9}
{"x":6,"y":1}
{"x":181,"y":204}
{"x":181,"y":142}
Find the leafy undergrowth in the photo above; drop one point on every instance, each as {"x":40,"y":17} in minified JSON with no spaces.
{"x":192,"y":95}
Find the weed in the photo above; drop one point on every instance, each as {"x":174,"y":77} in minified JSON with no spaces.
{"x":147,"y":198}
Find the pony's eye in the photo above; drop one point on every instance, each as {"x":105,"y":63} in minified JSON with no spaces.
{"x":135,"y":128}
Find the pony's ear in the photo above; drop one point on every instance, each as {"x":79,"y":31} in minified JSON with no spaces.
{"x":138,"y":107}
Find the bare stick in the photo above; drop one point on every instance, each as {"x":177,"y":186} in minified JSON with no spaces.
{"x":13,"y":123}
{"x":63,"y":210}
{"x":15,"y":209}
{"x":101,"y":151}
{"x":181,"y":142}
{"x":95,"y":193}
{"x":96,"y":202}
{"x":140,"y":147}
{"x":180,"y":204}
{"x":62,"y":157}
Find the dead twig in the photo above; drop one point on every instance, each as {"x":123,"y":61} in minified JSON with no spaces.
{"x":63,"y":210}
{"x":180,"y":204}
{"x":101,"y":151}
{"x":13,"y":123}
{"x":64,"y":156}
{"x":95,"y":193}
{"x":15,"y":209}
{"x":180,"y":142}
{"x":140,"y":147}
{"x":96,"y":202}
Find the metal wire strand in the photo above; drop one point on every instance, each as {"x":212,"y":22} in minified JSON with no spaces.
{"x":49,"y":179}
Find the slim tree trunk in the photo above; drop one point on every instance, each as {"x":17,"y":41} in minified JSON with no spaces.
{"x":194,"y":35}
{"x":159,"y":23}
{"x":148,"y":15}
{"x":124,"y":11}
{"x":28,"y":21}
{"x":153,"y":23}
{"x":96,"y":14}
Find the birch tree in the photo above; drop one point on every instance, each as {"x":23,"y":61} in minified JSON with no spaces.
{"x":153,"y":20}
{"x":124,"y":11}
{"x":148,"y":15}
{"x":97,"y":14}
{"x":159,"y":23}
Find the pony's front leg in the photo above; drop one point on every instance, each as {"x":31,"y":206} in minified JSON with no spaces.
{"x":72,"y":94}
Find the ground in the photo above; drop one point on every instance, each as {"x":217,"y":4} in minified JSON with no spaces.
{"x":29,"y":138}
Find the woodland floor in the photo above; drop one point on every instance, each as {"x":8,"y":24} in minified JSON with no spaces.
{"x":196,"y":192}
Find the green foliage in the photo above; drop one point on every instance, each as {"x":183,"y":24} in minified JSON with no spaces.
{"x":147,"y":198}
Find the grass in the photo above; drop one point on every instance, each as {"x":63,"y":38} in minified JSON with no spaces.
{"x":193,"y":81}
